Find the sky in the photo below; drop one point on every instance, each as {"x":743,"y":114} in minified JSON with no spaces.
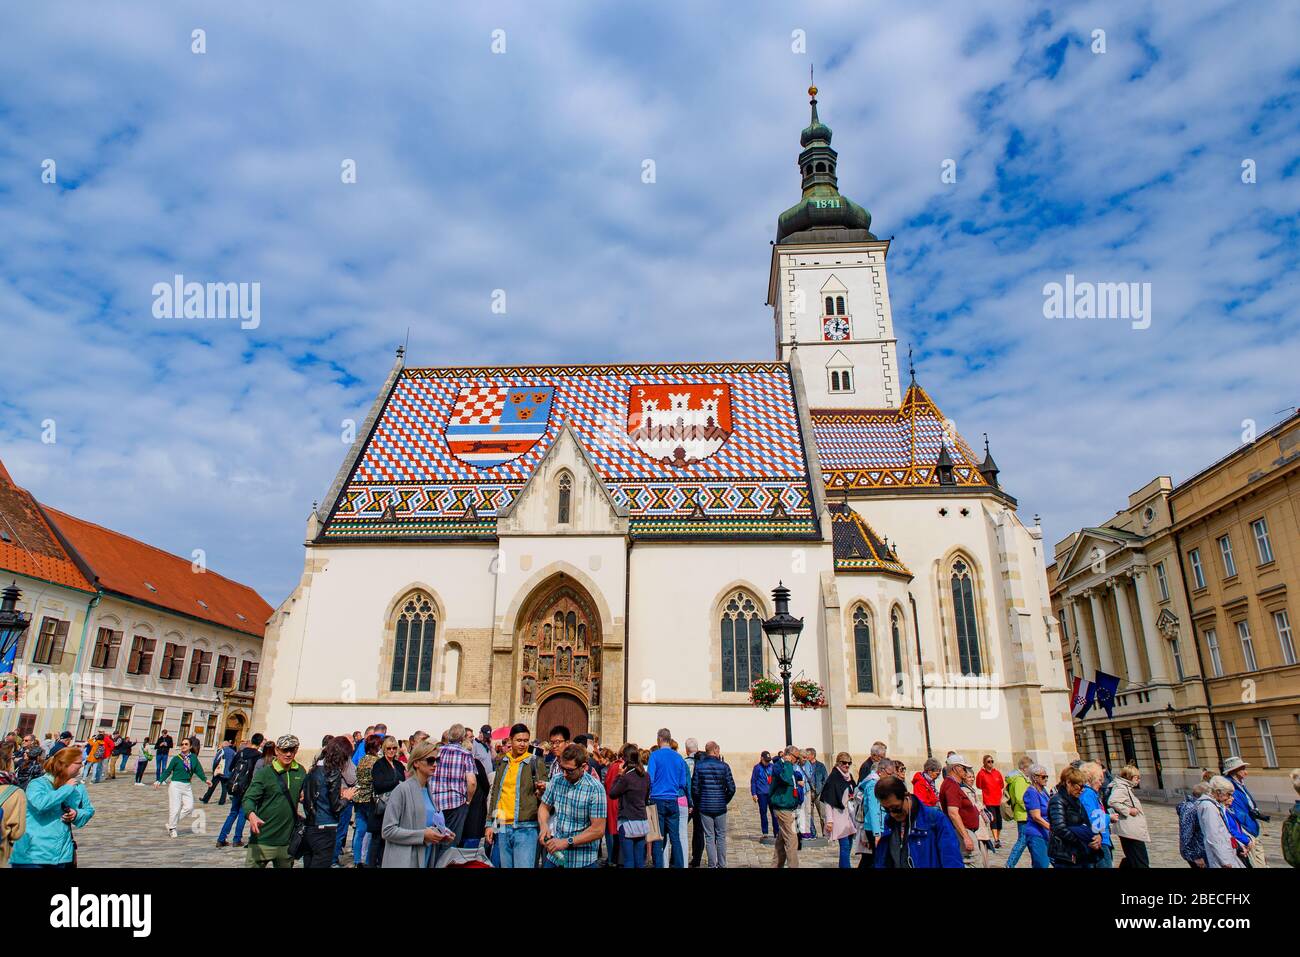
{"x":500,"y":147}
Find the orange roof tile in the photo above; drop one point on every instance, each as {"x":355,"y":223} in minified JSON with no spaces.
{"x":136,"y":570}
{"x":28,"y":546}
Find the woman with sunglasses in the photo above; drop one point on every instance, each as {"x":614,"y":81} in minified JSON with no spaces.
{"x":837,"y":807}
{"x":385,"y":775}
{"x":413,"y":826}
{"x":1036,"y":829}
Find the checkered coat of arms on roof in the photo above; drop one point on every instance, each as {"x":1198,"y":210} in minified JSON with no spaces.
{"x":679,"y":424}
{"x":490,"y":425}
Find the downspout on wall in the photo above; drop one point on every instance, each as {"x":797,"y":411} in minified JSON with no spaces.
{"x":81,"y":648}
{"x":920,"y":667}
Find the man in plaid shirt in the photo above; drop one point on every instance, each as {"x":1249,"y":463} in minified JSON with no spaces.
{"x":453,"y":781}
{"x":571,"y":817}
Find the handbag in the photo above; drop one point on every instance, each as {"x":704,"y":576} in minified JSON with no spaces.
{"x":1007,"y":813}
{"x":652,"y":816}
{"x":298,"y":834}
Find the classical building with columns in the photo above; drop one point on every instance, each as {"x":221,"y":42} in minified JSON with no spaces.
{"x":596,"y":545}
{"x":1186,"y":596}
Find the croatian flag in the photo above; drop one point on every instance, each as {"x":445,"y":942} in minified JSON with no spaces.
{"x":1082,"y":696}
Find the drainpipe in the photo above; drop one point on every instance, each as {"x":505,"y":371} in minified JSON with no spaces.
{"x":1196,"y":643}
{"x":920,"y":669}
{"x":627,"y":630}
{"x":81,"y":648}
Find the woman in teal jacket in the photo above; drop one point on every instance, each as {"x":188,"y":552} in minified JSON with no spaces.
{"x":56,"y":803}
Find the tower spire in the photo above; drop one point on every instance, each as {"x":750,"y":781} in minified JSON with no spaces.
{"x":823,"y":207}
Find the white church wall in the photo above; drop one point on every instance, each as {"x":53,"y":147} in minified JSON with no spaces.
{"x":674,"y":640}
{"x":337,"y":677}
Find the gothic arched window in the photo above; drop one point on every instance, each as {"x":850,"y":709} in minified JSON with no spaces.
{"x":413,"y":639}
{"x":742,"y":642}
{"x":566,"y":494}
{"x":969,"y":658}
{"x":862,"y":650}
{"x":900,"y":659}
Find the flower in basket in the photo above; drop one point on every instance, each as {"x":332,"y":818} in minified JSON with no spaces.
{"x":808,"y":694}
{"x":765,"y":692}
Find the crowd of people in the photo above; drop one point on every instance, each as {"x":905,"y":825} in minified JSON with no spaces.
{"x":508,"y":799}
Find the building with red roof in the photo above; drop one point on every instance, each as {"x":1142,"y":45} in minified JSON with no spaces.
{"x":124,"y":636}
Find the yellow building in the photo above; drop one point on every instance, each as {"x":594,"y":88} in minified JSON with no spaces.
{"x":1187,"y":596}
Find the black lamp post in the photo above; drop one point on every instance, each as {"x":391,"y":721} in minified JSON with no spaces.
{"x":783,"y":631}
{"x":12,"y":625}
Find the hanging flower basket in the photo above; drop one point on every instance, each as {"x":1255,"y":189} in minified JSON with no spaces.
{"x":808,"y":694}
{"x":765,"y":692}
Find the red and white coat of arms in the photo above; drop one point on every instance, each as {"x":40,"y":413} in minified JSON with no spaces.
{"x":679,"y":424}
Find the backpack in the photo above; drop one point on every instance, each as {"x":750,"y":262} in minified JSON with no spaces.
{"x":1291,"y":839}
{"x":241,"y":772}
{"x":1191,"y":844}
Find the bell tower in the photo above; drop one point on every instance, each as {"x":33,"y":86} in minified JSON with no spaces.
{"x":828,"y":290}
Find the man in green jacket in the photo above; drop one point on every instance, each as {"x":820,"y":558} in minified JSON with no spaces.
{"x":784,"y":801}
{"x":271,"y":815}
{"x":1017,"y":785}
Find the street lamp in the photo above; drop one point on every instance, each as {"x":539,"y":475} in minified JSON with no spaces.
{"x":783,"y":630}
{"x":12,"y":625}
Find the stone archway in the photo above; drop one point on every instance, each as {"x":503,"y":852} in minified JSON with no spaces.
{"x":558,"y":657}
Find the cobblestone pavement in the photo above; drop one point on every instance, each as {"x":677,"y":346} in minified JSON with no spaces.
{"x":129,"y":829}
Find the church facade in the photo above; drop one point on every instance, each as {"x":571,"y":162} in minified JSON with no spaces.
{"x":596,"y":545}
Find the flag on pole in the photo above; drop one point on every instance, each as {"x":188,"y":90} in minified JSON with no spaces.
{"x":1107,"y":685}
{"x":1082,"y":695}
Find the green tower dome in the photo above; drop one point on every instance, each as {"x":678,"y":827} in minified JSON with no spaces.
{"x":824,"y":214}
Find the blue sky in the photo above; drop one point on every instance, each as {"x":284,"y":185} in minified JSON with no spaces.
{"x":521,"y":171}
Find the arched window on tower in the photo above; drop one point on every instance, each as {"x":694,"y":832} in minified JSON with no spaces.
{"x":862,"y":650}
{"x":566,"y":497}
{"x":839,"y":306}
{"x":742,"y":642}
{"x":835,"y":380}
{"x":413,"y":637}
{"x":970,"y":661}
{"x":830,"y":306}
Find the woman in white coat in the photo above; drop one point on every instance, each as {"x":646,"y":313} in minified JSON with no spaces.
{"x":1129,"y":819}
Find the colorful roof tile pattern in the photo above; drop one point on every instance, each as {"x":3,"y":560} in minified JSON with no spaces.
{"x":891,"y":448}
{"x":688,"y":449}
{"x":857,"y":546}
{"x":28,"y":546}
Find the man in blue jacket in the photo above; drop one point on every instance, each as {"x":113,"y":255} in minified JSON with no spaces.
{"x":670,"y":788}
{"x":760,"y":786}
{"x":712,"y":788}
{"x":915,"y":835}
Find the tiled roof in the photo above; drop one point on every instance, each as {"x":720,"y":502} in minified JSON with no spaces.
{"x":888,"y":448}
{"x":28,"y":545}
{"x":686,"y":448}
{"x":857,"y":546}
{"x":136,"y":570}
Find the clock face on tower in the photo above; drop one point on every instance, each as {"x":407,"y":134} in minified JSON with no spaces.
{"x":835,"y":328}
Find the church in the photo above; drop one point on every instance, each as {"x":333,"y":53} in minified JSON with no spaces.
{"x":597,"y":545}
